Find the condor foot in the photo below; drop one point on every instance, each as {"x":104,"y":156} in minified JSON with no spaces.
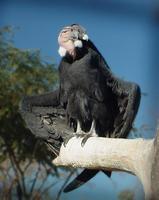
{"x":67,"y":139}
{"x":79,"y":134}
{"x":76,"y":134}
{"x":85,"y":138}
{"x":91,"y":133}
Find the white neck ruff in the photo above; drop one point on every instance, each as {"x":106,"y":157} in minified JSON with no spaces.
{"x":62,"y":51}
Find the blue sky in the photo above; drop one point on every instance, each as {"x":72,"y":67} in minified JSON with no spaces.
{"x":126,"y":33}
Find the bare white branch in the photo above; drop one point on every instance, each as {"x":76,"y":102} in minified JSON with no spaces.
{"x":131,"y":155}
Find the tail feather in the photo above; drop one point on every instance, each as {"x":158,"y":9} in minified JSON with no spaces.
{"x":107,"y":173}
{"x":82,"y":178}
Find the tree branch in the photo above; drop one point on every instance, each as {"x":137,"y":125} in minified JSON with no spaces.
{"x":131,"y":155}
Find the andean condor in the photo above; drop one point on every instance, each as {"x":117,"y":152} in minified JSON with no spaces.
{"x":94,"y":101}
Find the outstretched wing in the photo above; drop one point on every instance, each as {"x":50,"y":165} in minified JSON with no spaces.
{"x":128,"y":99}
{"x":45,"y":118}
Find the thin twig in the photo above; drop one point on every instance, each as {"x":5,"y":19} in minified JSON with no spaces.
{"x":35,"y":179}
{"x":50,"y":186}
{"x":27,"y":165}
{"x":42,"y":184}
{"x":65,"y":183}
{"x":15,"y":165}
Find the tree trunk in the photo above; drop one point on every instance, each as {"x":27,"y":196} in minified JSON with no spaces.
{"x":137,"y":156}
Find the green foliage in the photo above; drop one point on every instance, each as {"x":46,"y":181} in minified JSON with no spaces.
{"x":126,"y":195}
{"x":22,"y":72}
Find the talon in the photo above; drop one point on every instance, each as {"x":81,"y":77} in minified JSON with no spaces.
{"x":80,"y":134}
{"x":91,"y":133}
{"x":67,"y":139}
{"x":65,"y":143}
{"x":85,"y":138}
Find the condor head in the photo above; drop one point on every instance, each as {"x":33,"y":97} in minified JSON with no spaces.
{"x":70,"y":38}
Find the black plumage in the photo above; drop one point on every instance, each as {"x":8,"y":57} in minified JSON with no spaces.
{"x":92,"y":92}
{"x":89,"y":90}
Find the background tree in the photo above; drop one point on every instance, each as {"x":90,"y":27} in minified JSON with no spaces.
{"x":126,"y":195}
{"x":22,"y":72}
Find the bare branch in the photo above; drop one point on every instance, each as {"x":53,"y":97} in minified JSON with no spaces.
{"x":35,"y":179}
{"x":131,"y":155}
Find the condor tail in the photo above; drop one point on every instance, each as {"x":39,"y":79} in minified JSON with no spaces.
{"x":82,"y":178}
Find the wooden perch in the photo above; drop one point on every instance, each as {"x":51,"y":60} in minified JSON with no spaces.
{"x":137,"y":156}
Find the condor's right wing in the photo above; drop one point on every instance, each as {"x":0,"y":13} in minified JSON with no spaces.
{"x":46,"y":119}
